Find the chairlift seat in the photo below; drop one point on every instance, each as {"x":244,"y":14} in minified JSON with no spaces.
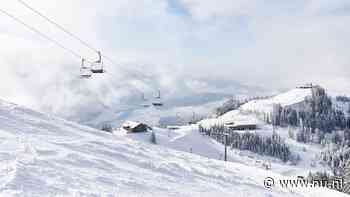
{"x":85,"y":72}
{"x":98,"y":70}
{"x":145,"y":105}
{"x":85,"y":75}
{"x":157,"y":104}
{"x":97,"y":66}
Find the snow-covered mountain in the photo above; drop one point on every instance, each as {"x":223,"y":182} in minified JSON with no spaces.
{"x":151,"y":115}
{"x":291,"y":97}
{"x":100,"y":101}
{"x":42,"y":155}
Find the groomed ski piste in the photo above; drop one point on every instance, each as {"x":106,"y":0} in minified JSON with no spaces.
{"x":42,"y":155}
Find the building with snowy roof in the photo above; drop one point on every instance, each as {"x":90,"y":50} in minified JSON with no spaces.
{"x":135,"y":127}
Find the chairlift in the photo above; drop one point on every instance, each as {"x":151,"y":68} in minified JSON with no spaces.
{"x":157,"y":102}
{"x":85,"y":72}
{"x":144,"y":101}
{"x":97,"y":66}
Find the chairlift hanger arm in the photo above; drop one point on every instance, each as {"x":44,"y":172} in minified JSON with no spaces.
{"x":99,"y":57}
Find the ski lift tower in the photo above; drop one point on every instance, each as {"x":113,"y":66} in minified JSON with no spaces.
{"x":226,"y":136}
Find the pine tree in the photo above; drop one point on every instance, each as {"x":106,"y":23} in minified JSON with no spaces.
{"x":268,"y":119}
{"x":276,"y":114}
{"x":346,"y":176}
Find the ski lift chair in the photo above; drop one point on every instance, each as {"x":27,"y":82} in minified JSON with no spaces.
{"x":157,"y":102}
{"x":85,"y":72}
{"x":144,"y":102}
{"x":97,"y":66}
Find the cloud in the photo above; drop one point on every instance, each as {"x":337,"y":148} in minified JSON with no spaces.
{"x":204,"y":10}
{"x":277,"y":41}
{"x":183,"y":47}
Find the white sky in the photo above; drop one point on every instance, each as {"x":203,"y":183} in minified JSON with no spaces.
{"x":179,"y":46}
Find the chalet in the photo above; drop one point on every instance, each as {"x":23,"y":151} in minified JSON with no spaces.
{"x":135,"y":127}
{"x":306,"y":86}
{"x":241,"y":126}
{"x":172,"y":127}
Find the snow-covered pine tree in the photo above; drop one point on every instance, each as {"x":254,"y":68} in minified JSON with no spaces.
{"x":290,"y":133}
{"x":276,"y":114}
{"x":346,"y":176}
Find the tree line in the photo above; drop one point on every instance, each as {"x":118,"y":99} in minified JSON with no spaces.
{"x":313,"y":118}
{"x":264,"y":145}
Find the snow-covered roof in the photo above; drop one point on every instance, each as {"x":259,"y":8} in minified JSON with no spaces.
{"x":232,"y":118}
{"x":247,"y":123}
{"x":131,"y":124}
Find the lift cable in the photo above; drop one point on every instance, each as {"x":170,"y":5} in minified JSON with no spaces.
{"x":66,"y":31}
{"x":63,"y":46}
{"x":58,"y":25}
{"x":41,"y":34}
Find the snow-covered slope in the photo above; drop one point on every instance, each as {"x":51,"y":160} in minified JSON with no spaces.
{"x":234,"y":116}
{"x":291,"y":97}
{"x":41,"y":155}
{"x":188,"y":139}
{"x":247,"y":113}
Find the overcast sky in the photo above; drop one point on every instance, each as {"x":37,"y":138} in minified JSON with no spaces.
{"x":177,"y":45}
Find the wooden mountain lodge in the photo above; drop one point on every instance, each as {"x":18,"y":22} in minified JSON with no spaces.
{"x":241,"y":126}
{"x":135,"y":127}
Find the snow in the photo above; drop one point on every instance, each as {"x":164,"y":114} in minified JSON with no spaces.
{"x":188,"y":139}
{"x":130,"y":124}
{"x":246,"y":114}
{"x":41,"y":155}
{"x":291,"y":97}
{"x":235,"y":116}
{"x":211,"y":149}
